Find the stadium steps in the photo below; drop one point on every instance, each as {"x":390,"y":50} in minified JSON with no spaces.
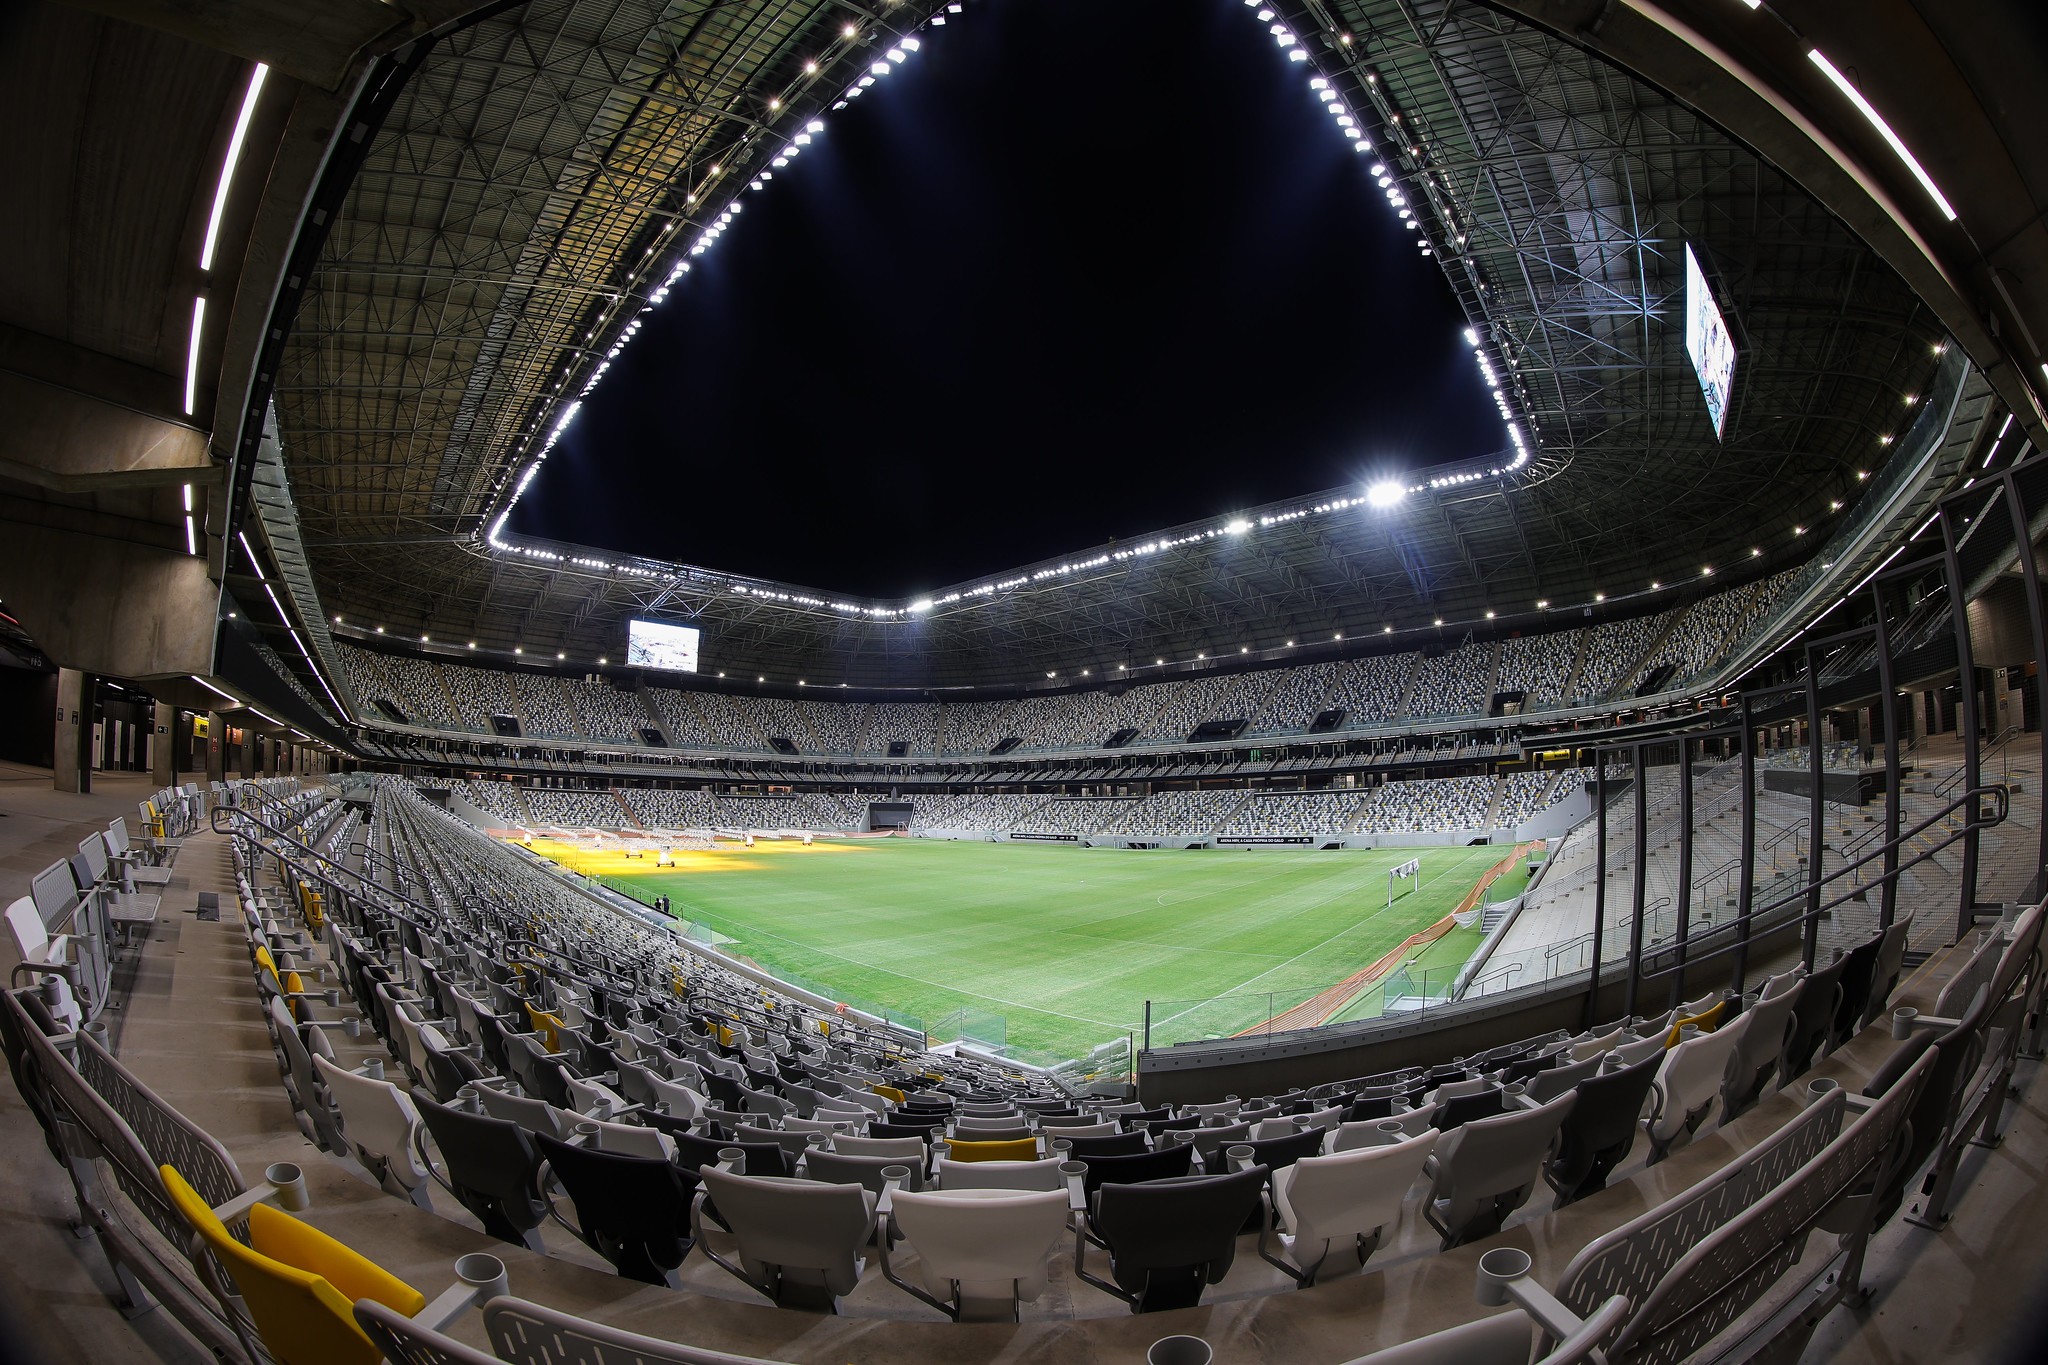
{"x":1402,"y":707}
{"x":1633,"y":674}
{"x":1491,"y":818}
{"x":1578,"y":669}
{"x":626,"y":809}
{"x":654,"y":716}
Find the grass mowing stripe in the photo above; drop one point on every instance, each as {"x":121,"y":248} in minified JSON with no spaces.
{"x":1085,"y":936}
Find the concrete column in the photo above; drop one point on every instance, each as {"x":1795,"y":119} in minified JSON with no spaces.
{"x":216,"y":746}
{"x":246,"y":764}
{"x":267,"y":755}
{"x":71,"y":761}
{"x":163,"y":746}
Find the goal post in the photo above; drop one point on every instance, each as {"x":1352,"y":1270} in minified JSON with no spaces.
{"x":1409,"y":872}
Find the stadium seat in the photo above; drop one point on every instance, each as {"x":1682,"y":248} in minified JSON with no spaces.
{"x":1600,"y":1129}
{"x":980,"y":1251}
{"x":840,"y":1168}
{"x":1757,"y":1056}
{"x":799,"y":1241}
{"x":1813,"y":1019}
{"x":535,"y":1116}
{"x":312,"y":1105}
{"x":1168,"y":1239}
{"x":378,"y":1120}
{"x":296,"y":1284}
{"x":1486,"y":1169}
{"x":634,"y":1211}
{"x":1545,"y":1086}
{"x":490,"y":1166}
{"x":1346,"y":1201}
{"x":1690,"y":1080}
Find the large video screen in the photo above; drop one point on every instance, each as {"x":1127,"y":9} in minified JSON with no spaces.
{"x":656,"y":644}
{"x":1708,"y":343}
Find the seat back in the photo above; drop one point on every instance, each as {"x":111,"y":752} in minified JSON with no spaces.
{"x":1164,"y":1164}
{"x":1168,"y":1238}
{"x":377,"y":1118}
{"x":804,"y":1229}
{"x":693,"y":1151}
{"x":535,"y":1116}
{"x":1813,"y":1018}
{"x":632,"y":1210}
{"x":1693,"y":1074}
{"x":837,"y":1168}
{"x":983,"y":1244}
{"x":296,"y":1284}
{"x":909,"y":1150}
{"x":1001,"y":1175}
{"x":491,"y":1163}
{"x":1891,"y":964}
{"x":26,"y":928}
{"x":1018,"y":1149}
{"x":1209,"y":1143}
{"x":1859,"y":970}
{"x":1548,"y":1084}
{"x":1111,"y":1144}
{"x":1350,"y":1194}
{"x":1762,"y":1045}
{"x":1486,"y":1168}
{"x":1276,"y":1152}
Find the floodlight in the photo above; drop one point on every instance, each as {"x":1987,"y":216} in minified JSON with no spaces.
{"x":1385,"y":493}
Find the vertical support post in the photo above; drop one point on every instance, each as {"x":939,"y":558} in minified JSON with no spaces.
{"x":1745,"y":893}
{"x":2037,"y":622}
{"x":1638,"y":877}
{"x":1148,"y":1029}
{"x":1888,"y":712}
{"x":163,"y":745}
{"x":1599,"y":883}
{"x":71,"y":754}
{"x":216,"y":745}
{"x":1816,"y":814}
{"x":1966,"y":717}
{"x":1684,"y":889}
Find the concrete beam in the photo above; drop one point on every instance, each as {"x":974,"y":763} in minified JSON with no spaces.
{"x":72,"y":442}
{"x":109,"y":606}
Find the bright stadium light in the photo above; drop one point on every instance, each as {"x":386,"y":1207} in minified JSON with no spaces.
{"x":1386,"y":493}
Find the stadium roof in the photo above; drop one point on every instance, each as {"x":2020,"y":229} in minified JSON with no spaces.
{"x":540,"y":170}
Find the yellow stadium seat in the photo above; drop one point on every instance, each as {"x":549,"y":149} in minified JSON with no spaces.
{"x":1708,"y":1020}
{"x":298,"y":1284}
{"x":888,"y":1092}
{"x":1017,"y":1149}
{"x":548,"y":1026}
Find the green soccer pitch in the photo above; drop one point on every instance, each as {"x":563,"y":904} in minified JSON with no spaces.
{"x":1065,"y":943}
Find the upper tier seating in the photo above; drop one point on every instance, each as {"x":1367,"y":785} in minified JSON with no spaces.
{"x":1367,"y":691}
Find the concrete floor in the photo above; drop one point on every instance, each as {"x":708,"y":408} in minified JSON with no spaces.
{"x":191,"y":1030}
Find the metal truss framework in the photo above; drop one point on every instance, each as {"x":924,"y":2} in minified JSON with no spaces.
{"x":543,"y":168}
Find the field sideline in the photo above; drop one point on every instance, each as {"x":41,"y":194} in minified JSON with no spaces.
{"x":1066,"y":943}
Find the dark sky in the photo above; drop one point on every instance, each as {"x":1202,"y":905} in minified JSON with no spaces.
{"x":1077,"y":270}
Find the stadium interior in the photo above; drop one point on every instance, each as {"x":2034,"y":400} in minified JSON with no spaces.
{"x":1578,"y":903}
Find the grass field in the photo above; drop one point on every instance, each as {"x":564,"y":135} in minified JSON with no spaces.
{"x":1066,"y":944}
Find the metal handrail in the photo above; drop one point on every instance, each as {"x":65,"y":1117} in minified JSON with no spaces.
{"x":418,"y":915}
{"x":1692,"y":959}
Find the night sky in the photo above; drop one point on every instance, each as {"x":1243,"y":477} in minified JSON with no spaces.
{"x":1076,"y":271}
